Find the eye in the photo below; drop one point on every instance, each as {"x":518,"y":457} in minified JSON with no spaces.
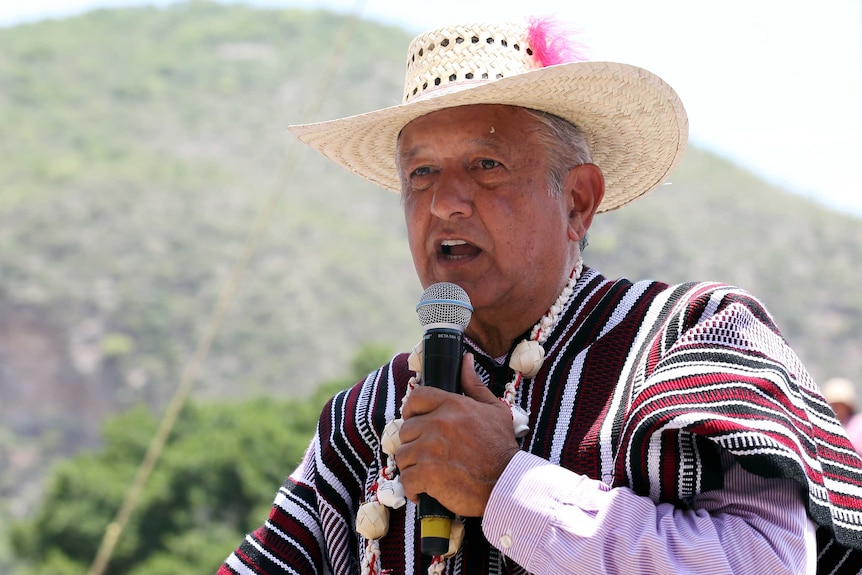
{"x":421,"y":171}
{"x":487,"y":164}
{"x":420,"y":178}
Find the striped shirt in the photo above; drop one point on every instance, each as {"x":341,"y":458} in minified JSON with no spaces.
{"x":674,"y":403}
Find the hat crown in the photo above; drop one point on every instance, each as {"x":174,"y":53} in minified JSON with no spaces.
{"x":462,"y":55}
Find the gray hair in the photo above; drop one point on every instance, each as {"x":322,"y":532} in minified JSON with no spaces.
{"x":565,"y":146}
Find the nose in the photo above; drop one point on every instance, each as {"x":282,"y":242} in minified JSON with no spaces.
{"x":452,"y":197}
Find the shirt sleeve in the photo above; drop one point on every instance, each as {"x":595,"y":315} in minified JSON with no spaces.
{"x":552,"y":521}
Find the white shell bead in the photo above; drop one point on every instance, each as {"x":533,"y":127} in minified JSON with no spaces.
{"x":391,"y":440}
{"x":391,"y":493}
{"x":527,"y":358}
{"x":372,"y":520}
{"x":456,"y":538}
{"x":520,"y":421}
{"x":414,"y":362}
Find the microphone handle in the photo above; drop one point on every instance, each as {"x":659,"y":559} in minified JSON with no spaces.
{"x":442,"y":351}
{"x":435,"y":522}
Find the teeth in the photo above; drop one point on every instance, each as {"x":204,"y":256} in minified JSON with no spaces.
{"x":447,"y":245}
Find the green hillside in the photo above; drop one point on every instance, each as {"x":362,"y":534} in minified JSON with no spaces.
{"x":140,"y":146}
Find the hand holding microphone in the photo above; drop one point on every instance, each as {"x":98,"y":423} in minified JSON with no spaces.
{"x":444,"y":311}
{"x":453,"y":445}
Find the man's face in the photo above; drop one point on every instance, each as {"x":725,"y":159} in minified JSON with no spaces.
{"x":478,"y":211}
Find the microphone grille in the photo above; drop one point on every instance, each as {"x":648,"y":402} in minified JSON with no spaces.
{"x":444,"y":302}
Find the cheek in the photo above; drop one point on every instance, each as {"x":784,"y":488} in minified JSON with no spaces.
{"x":415,"y":227}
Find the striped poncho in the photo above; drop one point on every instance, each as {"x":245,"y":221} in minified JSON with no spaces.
{"x":643,"y":385}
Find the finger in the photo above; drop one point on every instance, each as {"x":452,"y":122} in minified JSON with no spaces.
{"x":423,"y":400}
{"x":412,"y":482}
{"x":471,"y":385}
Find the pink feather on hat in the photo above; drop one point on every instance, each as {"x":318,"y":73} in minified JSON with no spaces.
{"x":553,"y":43}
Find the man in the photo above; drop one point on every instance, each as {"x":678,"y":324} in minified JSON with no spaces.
{"x":840,"y":393}
{"x":644,"y":428}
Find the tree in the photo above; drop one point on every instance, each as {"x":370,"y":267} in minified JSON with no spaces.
{"x":214,"y":483}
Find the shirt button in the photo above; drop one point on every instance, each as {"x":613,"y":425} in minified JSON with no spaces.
{"x":506,"y":540}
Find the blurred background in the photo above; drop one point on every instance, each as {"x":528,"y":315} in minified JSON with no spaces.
{"x":161,"y":231}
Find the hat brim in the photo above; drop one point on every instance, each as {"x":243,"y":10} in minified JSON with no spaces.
{"x":634,"y":123}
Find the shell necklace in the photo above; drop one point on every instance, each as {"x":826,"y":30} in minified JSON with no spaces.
{"x":372,"y":518}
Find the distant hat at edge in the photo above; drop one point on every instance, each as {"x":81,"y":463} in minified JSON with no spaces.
{"x":840,"y":390}
{"x":634,"y":122}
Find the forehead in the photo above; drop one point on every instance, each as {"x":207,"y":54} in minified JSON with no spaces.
{"x":482,"y":124}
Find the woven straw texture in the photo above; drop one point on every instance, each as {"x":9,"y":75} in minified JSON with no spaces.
{"x":633,"y":121}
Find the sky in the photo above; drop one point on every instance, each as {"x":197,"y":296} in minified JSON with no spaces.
{"x":773,"y":85}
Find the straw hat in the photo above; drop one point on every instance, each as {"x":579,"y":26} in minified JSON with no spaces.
{"x":633,"y":121}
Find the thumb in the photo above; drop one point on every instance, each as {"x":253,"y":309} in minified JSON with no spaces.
{"x":471,"y":385}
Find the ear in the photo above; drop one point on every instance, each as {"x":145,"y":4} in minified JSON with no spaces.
{"x":584,"y":188}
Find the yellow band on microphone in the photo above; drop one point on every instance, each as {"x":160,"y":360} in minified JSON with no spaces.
{"x":436,"y":527}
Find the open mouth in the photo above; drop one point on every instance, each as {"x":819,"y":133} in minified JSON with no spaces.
{"x":457,"y":249}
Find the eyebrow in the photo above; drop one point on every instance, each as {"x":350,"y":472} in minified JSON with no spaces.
{"x":484,"y":142}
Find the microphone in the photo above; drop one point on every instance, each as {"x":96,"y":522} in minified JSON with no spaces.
{"x":444,"y":311}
